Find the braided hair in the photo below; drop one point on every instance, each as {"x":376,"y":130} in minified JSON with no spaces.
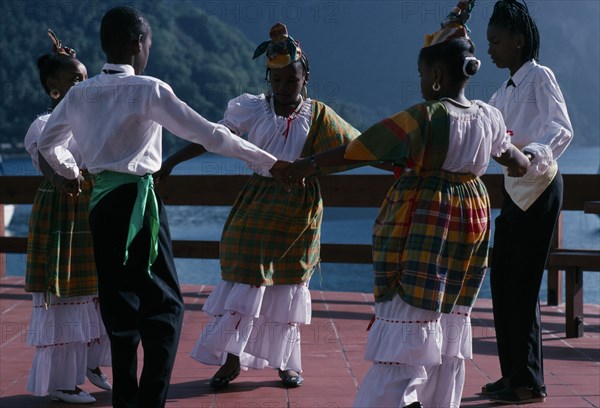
{"x":515,"y":16}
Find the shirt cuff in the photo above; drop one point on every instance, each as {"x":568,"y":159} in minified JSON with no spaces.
{"x":542,"y":158}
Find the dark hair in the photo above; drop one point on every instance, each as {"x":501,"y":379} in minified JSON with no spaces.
{"x":121,"y":25}
{"x":452,"y":55}
{"x":50,"y":64}
{"x":515,"y":16}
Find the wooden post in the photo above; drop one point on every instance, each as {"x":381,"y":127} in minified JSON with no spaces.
{"x":555,"y":275}
{"x":574,"y":303}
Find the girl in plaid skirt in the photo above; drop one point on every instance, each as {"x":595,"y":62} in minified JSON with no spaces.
{"x":66,"y":327}
{"x":430,"y":238}
{"x":270,"y":245}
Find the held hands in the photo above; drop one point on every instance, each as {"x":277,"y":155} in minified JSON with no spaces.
{"x":519,"y":164}
{"x":299,"y":170}
{"x":72,"y":188}
{"x":164,"y":172}
{"x":278,"y":171}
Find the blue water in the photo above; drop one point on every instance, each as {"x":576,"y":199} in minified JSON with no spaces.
{"x":340,"y":225}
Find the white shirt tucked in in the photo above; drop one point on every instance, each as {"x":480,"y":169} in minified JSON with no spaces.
{"x":117,"y":118}
{"x":535,"y":112}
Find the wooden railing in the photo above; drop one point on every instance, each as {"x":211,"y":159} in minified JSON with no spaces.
{"x":338,"y":191}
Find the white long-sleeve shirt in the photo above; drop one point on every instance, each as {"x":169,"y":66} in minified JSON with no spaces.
{"x":117,"y":119}
{"x":535,"y":112}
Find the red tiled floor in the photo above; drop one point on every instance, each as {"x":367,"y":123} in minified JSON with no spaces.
{"x":332,"y":348}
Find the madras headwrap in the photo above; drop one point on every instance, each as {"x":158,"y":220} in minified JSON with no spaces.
{"x":281,"y":49}
{"x":453,"y":26}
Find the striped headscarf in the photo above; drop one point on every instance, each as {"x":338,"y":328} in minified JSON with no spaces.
{"x":453,"y":26}
{"x":281,"y":49}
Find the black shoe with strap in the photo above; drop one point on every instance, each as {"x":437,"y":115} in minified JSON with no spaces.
{"x":290,"y":378}
{"x":222,"y":381}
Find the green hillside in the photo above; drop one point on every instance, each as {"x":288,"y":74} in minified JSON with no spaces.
{"x":205,"y":61}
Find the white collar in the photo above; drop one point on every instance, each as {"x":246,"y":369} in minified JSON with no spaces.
{"x":522,"y":72}
{"x":121,"y":68}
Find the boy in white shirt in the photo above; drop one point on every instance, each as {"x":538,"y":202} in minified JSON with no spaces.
{"x":535,"y":113}
{"x":116,"y":119}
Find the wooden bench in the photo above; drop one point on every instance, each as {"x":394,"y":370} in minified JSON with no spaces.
{"x":574,"y":262}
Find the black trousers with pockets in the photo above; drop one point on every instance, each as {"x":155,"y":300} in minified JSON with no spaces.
{"x":135,"y":306}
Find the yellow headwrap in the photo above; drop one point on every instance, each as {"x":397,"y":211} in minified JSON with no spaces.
{"x":281,"y":49}
{"x":453,"y":26}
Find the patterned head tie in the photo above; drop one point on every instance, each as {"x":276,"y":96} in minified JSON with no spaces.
{"x":57,"y":47}
{"x":281,"y":49}
{"x":453,"y":26}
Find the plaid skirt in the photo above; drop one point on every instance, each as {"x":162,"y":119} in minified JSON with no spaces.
{"x":272,"y":236}
{"x":431,"y":239}
{"x":60,"y":252}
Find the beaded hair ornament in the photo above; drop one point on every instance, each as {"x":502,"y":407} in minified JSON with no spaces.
{"x":57,"y":47}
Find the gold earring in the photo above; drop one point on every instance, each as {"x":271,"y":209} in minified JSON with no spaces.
{"x":436,"y":86}
{"x":54,"y":93}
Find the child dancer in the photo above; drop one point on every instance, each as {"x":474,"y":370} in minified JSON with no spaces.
{"x":61,"y":273}
{"x":430,"y":238}
{"x":139,"y":292}
{"x":271,"y":241}
{"x":534,"y":110}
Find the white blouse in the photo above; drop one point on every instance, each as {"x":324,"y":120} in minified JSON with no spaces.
{"x":31,"y":141}
{"x":254,"y":116}
{"x":535,"y":112}
{"x":476,"y":133}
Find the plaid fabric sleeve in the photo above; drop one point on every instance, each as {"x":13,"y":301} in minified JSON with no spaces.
{"x":403,"y":137}
{"x":328,"y":131}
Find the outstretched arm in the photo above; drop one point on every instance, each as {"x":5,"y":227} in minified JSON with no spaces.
{"x":308,"y":166}
{"x":188,"y":152}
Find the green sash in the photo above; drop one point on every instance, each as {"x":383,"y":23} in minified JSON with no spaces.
{"x":107,"y":181}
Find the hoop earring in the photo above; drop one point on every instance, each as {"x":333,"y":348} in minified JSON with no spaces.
{"x":54,"y":93}
{"x":304,"y":91}
{"x":436,"y":86}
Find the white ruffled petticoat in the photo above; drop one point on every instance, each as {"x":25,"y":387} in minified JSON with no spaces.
{"x":258,"y":324}
{"x":418,"y":355}
{"x":69,"y":337}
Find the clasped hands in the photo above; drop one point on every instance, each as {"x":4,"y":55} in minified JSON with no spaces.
{"x":289,"y":174}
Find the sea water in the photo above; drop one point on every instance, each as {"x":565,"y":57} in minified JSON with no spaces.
{"x":340,"y":225}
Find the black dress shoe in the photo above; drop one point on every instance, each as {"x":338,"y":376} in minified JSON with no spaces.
{"x":495,"y":387}
{"x":291,"y":381}
{"x":416,"y":404}
{"x":219,"y":382}
{"x":519,"y":395}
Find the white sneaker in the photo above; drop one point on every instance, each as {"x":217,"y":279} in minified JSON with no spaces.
{"x":81,"y":398}
{"x":99,"y":380}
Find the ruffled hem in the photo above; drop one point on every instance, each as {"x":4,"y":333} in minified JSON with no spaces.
{"x":278,"y":303}
{"x":65,"y":321}
{"x":258,"y":324}
{"x":58,"y":368}
{"x":403,"y":334}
